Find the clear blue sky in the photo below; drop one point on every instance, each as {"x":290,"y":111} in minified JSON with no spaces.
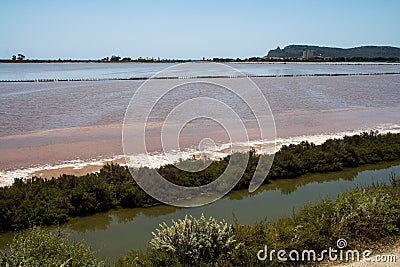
{"x":189,"y":29}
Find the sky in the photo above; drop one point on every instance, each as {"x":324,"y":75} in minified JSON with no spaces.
{"x":95,"y":29}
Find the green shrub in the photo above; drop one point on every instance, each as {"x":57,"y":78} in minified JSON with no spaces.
{"x":366,"y":214}
{"x":150,"y":258}
{"x":359,"y":215}
{"x":39,"y":247}
{"x":196,"y":241}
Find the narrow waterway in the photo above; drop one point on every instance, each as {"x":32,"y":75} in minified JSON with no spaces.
{"x":114,"y":233}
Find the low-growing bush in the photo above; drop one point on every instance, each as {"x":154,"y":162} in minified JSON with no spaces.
{"x":39,"y":247}
{"x":194,"y":240}
{"x":366,"y":214}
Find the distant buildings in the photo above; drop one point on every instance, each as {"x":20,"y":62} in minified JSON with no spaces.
{"x":308,"y":54}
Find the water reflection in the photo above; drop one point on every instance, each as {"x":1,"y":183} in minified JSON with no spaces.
{"x":102,"y":221}
{"x":288,"y":186}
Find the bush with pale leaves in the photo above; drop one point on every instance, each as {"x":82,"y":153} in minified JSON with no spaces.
{"x":194,"y":240}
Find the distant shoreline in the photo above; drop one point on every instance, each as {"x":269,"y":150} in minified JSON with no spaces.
{"x":2,"y":61}
{"x":217,"y":60}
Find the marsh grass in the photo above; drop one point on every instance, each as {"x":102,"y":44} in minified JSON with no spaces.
{"x":40,"y":247}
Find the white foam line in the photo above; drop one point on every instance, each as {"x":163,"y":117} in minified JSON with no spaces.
{"x":156,"y":160}
{"x":7,"y":176}
{"x":321,"y":138}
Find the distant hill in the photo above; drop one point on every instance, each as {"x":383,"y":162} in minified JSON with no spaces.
{"x":296,"y":51}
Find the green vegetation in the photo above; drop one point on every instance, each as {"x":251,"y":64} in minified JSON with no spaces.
{"x":188,"y":242}
{"x":39,"y":247}
{"x":113,"y":59}
{"x":20,"y":57}
{"x":360,"y":216}
{"x":195,"y":241}
{"x":37,"y":201}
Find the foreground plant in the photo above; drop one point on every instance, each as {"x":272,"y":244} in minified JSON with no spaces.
{"x":195,"y":240}
{"x":39,"y":247}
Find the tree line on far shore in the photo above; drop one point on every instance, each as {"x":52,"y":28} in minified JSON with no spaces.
{"x":21,"y":58}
